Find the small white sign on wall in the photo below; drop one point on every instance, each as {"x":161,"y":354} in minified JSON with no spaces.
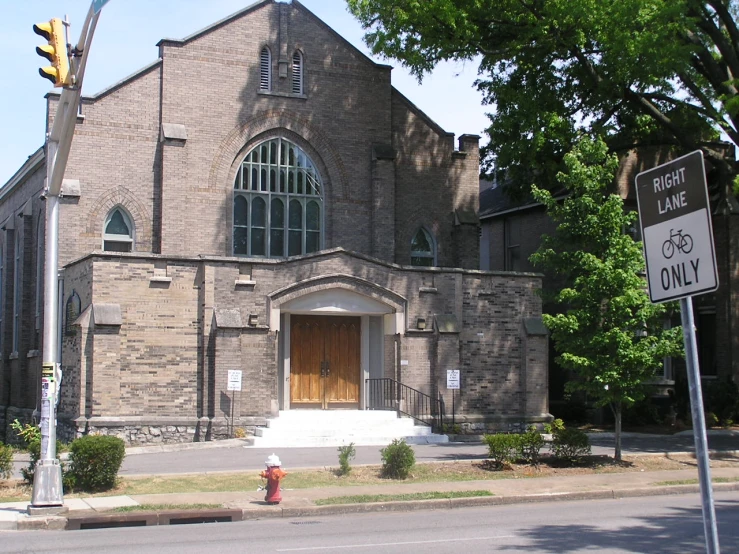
{"x":234,"y":379}
{"x":452,"y":379}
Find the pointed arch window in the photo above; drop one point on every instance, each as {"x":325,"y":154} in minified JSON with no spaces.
{"x":118,"y":231}
{"x":265,"y":69}
{"x":278,"y":202}
{"x":423,"y":249}
{"x":297,"y":73}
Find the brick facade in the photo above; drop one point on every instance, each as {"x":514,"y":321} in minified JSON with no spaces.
{"x":165,"y":149}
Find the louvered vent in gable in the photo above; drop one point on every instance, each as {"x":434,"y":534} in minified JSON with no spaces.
{"x":297,"y":73}
{"x":265,"y":69}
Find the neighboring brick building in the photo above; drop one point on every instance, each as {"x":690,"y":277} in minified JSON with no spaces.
{"x":261,"y":199}
{"x":512,"y":230}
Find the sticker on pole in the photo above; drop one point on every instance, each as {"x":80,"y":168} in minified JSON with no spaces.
{"x":676,"y":229}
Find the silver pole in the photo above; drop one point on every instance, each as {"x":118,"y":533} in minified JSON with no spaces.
{"x":699,"y":427}
{"x":47,"y":481}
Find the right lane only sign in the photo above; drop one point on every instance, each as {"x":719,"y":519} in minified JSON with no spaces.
{"x":676,"y":229}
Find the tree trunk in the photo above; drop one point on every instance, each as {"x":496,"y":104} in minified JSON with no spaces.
{"x":616,"y":407}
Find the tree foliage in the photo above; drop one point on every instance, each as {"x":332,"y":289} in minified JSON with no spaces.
{"x":631,"y":71}
{"x":607,"y":333}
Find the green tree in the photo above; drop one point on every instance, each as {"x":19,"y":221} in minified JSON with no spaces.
{"x":631,"y":71}
{"x":608,"y":333}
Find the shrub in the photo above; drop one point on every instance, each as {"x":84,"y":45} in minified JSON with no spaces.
{"x":450,"y":429}
{"x":346,"y":453}
{"x":554,"y":426}
{"x":397,"y":459}
{"x":29,"y":433}
{"x":570,"y":444}
{"x":6,"y":461}
{"x":721,"y":397}
{"x":94,"y":462}
{"x":531,"y":444}
{"x":503,"y":449}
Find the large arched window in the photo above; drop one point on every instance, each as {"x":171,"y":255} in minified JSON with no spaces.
{"x":118,"y":231}
{"x":278,"y":202}
{"x":423,"y":249}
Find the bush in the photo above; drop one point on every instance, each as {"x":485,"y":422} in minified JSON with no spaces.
{"x":29,"y":433}
{"x":643,"y":412}
{"x":503,"y":449}
{"x":6,"y":461}
{"x":531,"y":444}
{"x":346,"y":453}
{"x":554,"y":426}
{"x":570,"y":444}
{"x":721,"y":397}
{"x":94,"y":462}
{"x":397,"y":459}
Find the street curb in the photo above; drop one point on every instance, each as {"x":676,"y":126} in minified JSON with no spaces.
{"x":169,"y":517}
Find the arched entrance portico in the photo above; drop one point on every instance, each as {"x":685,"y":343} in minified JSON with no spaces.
{"x":332,"y":339}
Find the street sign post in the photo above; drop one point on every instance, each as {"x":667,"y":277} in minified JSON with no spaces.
{"x":452,"y":383}
{"x":675,"y":220}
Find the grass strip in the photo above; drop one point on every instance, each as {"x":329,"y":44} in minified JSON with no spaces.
{"x":367,"y":498}
{"x":695,"y":481}
{"x":160,"y":507}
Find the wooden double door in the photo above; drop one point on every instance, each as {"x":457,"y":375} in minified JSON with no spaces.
{"x":324,"y":361}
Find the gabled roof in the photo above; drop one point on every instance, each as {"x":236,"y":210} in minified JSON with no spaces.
{"x":33,"y":162}
{"x":257,"y":5}
{"x":217,"y":25}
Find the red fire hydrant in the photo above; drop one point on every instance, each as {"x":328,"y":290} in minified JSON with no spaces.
{"x":273,"y":474}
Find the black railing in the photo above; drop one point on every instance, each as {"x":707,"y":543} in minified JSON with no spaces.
{"x":389,"y":394}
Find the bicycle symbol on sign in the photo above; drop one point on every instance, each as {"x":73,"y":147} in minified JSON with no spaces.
{"x":683,"y":243}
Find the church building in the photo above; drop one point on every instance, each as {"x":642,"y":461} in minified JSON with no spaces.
{"x":259,"y":209}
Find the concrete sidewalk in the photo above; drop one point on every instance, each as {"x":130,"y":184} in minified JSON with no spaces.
{"x":95,"y":512}
{"x":237,"y":506}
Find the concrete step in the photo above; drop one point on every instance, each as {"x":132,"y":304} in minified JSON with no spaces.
{"x":306,"y":428}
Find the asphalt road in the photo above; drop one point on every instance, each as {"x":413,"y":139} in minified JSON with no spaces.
{"x":667,"y":524}
{"x":238,"y":458}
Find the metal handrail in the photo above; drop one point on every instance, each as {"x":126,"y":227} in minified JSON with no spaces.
{"x":389,"y":394}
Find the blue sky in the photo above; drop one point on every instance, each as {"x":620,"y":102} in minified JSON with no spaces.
{"x":125,"y":41}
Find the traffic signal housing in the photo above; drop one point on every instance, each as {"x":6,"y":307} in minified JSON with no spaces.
{"x":55,"y":51}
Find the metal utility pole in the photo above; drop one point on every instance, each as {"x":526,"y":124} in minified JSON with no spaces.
{"x":47,"y":483}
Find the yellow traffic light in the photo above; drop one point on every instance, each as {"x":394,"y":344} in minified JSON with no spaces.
{"x":55,"y":51}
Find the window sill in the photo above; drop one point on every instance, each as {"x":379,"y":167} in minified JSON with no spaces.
{"x":282,"y":94}
{"x":33,"y":354}
{"x":412,"y":331}
{"x":245,"y":283}
{"x":160,"y":280}
{"x":13,"y":355}
{"x":432,"y":290}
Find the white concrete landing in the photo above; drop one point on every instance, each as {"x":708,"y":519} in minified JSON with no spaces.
{"x":304,"y":428}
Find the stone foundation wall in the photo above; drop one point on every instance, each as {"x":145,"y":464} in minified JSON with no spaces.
{"x":155,"y":431}
{"x":472,"y":425}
